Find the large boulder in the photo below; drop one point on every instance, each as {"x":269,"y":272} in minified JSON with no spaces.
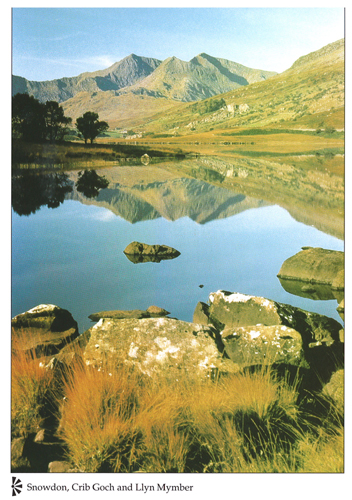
{"x":142,"y":252}
{"x":260,"y":344}
{"x":256,"y":330}
{"x":238,"y":310}
{"x":314,"y":265}
{"x":44,"y":330}
{"x":163,"y":347}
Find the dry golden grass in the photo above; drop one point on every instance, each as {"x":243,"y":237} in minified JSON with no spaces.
{"x":30,"y":384}
{"x":323,"y":455}
{"x":116,"y":421}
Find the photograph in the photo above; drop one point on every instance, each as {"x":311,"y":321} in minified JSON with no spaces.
{"x":177,"y":249}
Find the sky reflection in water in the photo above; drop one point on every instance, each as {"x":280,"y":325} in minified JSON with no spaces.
{"x":72,"y":256}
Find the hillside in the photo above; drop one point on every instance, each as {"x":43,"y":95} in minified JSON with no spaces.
{"x":309,"y":95}
{"x":124,"y":111}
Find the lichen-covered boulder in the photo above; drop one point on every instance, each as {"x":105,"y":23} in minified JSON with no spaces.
{"x":239,"y":310}
{"x":257,"y":331}
{"x":260,"y":344}
{"x":161,"y":347}
{"x":44,"y":330}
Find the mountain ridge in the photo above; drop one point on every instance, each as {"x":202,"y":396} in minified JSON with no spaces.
{"x":120,"y":74}
{"x":180,"y":97}
{"x":159,"y":78}
{"x":202,"y":77}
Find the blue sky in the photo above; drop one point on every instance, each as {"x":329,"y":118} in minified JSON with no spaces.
{"x":49,"y":43}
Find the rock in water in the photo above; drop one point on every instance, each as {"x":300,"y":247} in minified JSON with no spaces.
{"x":142,"y":252}
{"x":151,"y":312}
{"x":314,"y":265}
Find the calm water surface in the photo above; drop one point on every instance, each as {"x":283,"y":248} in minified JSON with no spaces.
{"x":72,"y":255}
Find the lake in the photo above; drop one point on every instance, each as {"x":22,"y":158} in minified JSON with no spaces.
{"x":69,"y":233}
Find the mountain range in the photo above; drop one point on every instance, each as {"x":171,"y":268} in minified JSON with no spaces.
{"x":160,"y":96}
{"x":204,"y":76}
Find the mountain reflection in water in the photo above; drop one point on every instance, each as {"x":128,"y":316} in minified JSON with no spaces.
{"x":228,"y":238}
{"x":135,"y":195}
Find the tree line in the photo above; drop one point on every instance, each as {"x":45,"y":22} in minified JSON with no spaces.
{"x":33,"y":121}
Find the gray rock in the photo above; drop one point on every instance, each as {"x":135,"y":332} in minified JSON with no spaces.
{"x":260,"y":344}
{"x":59,"y":466}
{"x":44,"y":436}
{"x":239,"y":310}
{"x":161,"y":347}
{"x":19,"y":459}
{"x":44,"y":330}
{"x":256,"y":331}
{"x":201,"y":314}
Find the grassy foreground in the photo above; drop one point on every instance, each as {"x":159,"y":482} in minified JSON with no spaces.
{"x":116,"y":420}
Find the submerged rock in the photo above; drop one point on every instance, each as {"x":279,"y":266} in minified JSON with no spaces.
{"x":44,"y":330}
{"x":142,"y":252}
